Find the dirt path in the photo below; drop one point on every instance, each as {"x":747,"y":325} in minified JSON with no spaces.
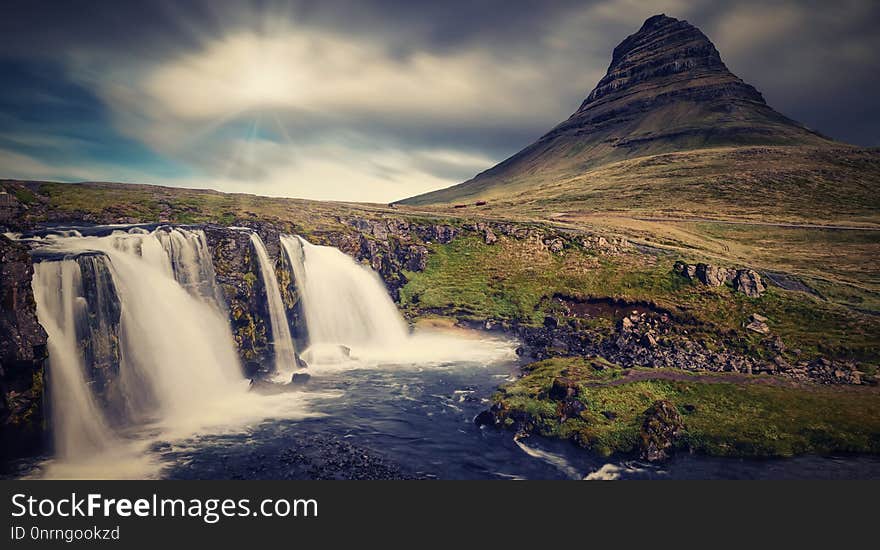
{"x":764,"y":224}
{"x":631,"y":375}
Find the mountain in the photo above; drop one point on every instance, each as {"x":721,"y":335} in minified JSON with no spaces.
{"x":666,"y":90}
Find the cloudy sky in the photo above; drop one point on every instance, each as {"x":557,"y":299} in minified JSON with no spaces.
{"x":372,"y":100}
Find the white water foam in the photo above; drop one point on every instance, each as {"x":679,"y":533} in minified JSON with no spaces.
{"x":352,"y":321}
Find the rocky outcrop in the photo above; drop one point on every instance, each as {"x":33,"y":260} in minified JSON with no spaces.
{"x":238,"y":276}
{"x":648,"y":337}
{"x":100,"y":345}
{"x":10,"y":209}
{"x":660,"y":429}
{"x":394,"y":246}
{"x":746,"y":281}
{"x":22,"y":355}
{"x":749,"y":282}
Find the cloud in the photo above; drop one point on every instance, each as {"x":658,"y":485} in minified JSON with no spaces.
{"x":319,"y":114}
{"x":27,"y":167}
{"x":376,"y":99}
{"x":300,"y":73}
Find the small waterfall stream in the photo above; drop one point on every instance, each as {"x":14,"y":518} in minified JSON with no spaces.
{"x":80,"y":428}
{"x":350,"y":315}
{"x":282,"y":342}
{"x":344,"y":302}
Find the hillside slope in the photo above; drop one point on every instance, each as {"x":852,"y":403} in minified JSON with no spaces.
{"x":666,"y":90}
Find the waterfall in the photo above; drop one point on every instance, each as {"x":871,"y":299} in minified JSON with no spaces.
{"x":285,"y":354}
{"x":191,"y":262}
{"x":79,"y":425}
{"x":344,"y":303}
{"x":175,"y":349}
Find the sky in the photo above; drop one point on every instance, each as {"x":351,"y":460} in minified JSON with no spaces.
{"x":372,"y":100}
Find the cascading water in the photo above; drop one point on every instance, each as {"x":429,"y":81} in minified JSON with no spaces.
{"x":79,"y":425}
{"x":176,"y":354}
{"x":191,"y":262}
{"x":344,"y":302}
{"x":282,"y":342}
{"x":346,"y":305}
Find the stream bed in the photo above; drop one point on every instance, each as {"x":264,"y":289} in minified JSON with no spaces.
{"x":410,"y":421}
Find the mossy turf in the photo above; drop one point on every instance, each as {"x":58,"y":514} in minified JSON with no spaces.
{"x":517,"y":280}
{"x":722,"y":417}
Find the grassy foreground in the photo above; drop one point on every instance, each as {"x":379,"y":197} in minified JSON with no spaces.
{"x":518,"y":280}
{"x":724,"y":415}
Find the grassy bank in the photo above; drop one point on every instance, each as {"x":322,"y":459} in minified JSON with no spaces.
{"x":517,"y":280}
{"x":724,"y":415}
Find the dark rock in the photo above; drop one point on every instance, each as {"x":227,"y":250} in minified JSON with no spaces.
{"x":551,"y":322}
{"x":442,"y":234}
{"x":251,"y":368}
{"x":660,"y":429}
{"x":10,"y":208}
{"x":571,"y":408}
{"x":300,"y":378}
{"x":563,"y":388}
{"x":22,"y":355}
{"x":485,"y":418}
{"x":747,"y":281}
{"x":238,"y":276}
{"x":609,"y":415}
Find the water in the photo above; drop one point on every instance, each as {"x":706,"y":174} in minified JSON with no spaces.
{"x":80,"y":428}
{"x":345,"y":303}
{"x":422,"y":418}
{"x":351,"y":318}
{"x":183,"y":409}
{"x":282,"y":343}
{"x":179,"y":371}
{"x":191,"y":263}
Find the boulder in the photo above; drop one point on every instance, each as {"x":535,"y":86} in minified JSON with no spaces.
{"x":562,"y":389}
{"x":758,"y":323}
{"x":300,"y":378}
{"x":711,"y":275}
{"x":749,"y":282}
{"x":759,"y":327}
{"x":571,"y":408}
{"x":660,"y":429}
{"x":555,"y":245}
{"x":485,"y":418}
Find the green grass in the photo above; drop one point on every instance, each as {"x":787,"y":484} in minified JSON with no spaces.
{"x":25,"y":195}
{"x":721,"y":418}
{"x":515,"y":281}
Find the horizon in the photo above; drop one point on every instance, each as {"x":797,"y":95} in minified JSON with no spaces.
{"x":344,"y":103}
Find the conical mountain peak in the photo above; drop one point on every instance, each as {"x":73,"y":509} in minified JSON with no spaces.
{"x":666,"y":90}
